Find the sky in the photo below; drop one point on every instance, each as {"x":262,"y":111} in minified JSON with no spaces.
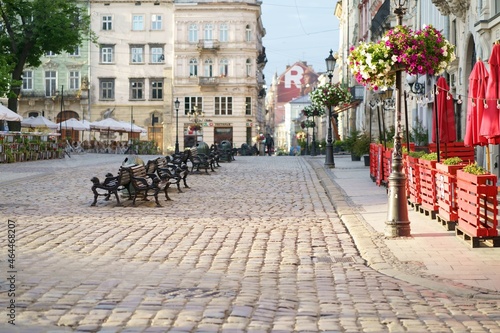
{"x":298,"y":30}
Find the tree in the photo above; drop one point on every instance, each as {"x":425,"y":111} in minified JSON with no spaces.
{"x":31,"y":28}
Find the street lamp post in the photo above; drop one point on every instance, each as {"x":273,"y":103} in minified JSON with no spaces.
{"x":197,"y":118}
{"x":313,"y":148}
{"x":329,"y":160}
{"x":397,"y":223}
{"x":176,"y":105}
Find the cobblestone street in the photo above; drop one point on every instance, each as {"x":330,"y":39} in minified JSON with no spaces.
{"x":253,"y":247}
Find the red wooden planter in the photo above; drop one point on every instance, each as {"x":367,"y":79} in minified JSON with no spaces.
{"x":376,"y":162}
{"x":428,"y":184}
{"x":387,"y":165}
{"x":454,"y":149}
{"x":413,"y":180}
{"x":477,"y":204}
{"x":446,"y":186}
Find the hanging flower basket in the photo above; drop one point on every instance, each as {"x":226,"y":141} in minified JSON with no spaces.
{"x":330,"y":95}
{"x":423,"y":52}
{"x":194,"y":128}
{"x":311,"y":111}
{"x":260,"y":138}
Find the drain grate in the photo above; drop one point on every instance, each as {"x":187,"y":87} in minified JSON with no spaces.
{"x":332,"y":260}
{"x":195,"y":293}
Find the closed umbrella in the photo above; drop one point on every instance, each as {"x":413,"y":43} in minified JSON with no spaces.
{"x":478,"y":81}
{"x":490,"y":127}
{"x":445,"y":115}
{"x":9,"y":115}
{"x":443,"y":125}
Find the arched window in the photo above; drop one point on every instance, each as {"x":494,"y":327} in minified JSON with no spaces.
{"x":193,"y":67}
{"x":193,"y":33}
{"x":224,"y":67}
{"x":248,"y":33}
{"x":208,"y":68}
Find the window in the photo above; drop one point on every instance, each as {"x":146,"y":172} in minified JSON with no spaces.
{"x":107,"y":89}
{"x":208,"y":67}
{"x":156,"y":22}
{"x":191,"y":102}
{"x":76,"y":52}
{"x":224,"y":67}
{"x":248,"y":33}
{"x":193,"y":67}
{"x":50,"y":83}
{"x":223,"y":32}
{"x":28,"y":80}
{"x":249,"y":67}
{"x":248,"y":106}
{"x":223,"y":105}
{"x":137,"y":54}
{"x":156,"y":89}
{"x":193,"y":33}
{"x":74,"y":80}
{"x":137,"y":22}
{"x":49,"y":54}
{"x":136,"y":89}
{"x":157,"y":56}
{"x":208,"y":32}
{"x":107,"y":22}
{"x":107,"y":54}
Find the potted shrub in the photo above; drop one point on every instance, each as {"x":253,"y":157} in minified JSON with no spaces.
{"x":350,"y":141}
{"x":362,"y":147}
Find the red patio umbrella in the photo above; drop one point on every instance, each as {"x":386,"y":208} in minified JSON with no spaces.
{"x":443,"y":124}
{"x":445,"y":114}
{"x":490,"y":126}
{"x":478,"y":81}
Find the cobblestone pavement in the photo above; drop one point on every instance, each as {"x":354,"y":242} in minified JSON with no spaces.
{"x":253,"y":247}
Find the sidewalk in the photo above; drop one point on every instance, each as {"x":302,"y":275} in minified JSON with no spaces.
{"x":432,"y":256}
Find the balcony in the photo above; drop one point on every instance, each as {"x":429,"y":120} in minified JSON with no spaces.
{"x":208,"y":81}
{"x":208,"y":45}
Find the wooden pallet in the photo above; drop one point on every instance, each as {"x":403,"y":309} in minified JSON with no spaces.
{"x":427,"y":212}
{"x":448,"y":225}
{"x":475,"y":242}
{"x":413,"y":205}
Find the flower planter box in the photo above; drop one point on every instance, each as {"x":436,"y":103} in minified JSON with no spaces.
{"x":374,"y":152}
{"x":387,"y":165}
{"x":427,"y":171}
{"x":446,"y":184}
{"x":454,"y":149}
{"x":413,"y":180}
{"x":477,"y":204}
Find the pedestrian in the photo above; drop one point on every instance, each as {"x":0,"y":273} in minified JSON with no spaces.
{"x":269,"y":144}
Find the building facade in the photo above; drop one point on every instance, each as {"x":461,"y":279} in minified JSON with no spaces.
{"x":152,"y":53}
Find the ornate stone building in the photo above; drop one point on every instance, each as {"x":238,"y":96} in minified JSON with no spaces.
{"x":208,"y":55}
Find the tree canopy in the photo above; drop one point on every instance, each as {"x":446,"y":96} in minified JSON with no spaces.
{"x":31,"y":28}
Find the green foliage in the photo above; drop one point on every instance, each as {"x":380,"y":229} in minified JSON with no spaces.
{"x":32,"y":28}
{"x":452,"y":161}
{"x":474,"y":169}
{"x":419,"y":134}
{"x":350,"y":141}
{"x":362,"y":145}
{"x":429,"y":157}
{"x":416,"y":154}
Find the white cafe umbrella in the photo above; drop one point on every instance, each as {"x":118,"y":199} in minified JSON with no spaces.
{"x":73,"y":124}
{"x":40,"y":122}
{"x":129,"y":127}
{"x":108,"y":124}
{"x":9,"y":115}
